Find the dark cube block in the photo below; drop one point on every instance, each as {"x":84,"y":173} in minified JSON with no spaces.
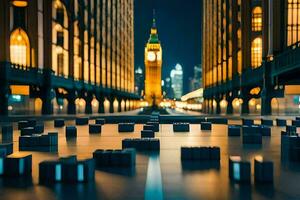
{"x":82,"y":121}
{"x":296,"y":123}
{"x":215,"y":153}
{"x":31,"y":123}
{"x":148,"y":128}
{"x":239,"y":171}
{"x":280,"y":122}
{"x":27,"y":131}
{"x":8,"y":148}
{"x":126,"y":127}
{"x":155,"y":125}
{"x":71,"y":131}
{"x":265,"y":130}
{"x":291,"y":130}
{"x":100,"y":121}
{"x":94,"y":128}
{"x":206,"y":126}
{"x":147,"y":134}
{"x":186,"y":153}
{"x":18,"y":165}
{"x":50,"y":172}
{"x":248,"y":122}
{"x":234,"y":130}
{"x":128,"y":158}
{"x":181,"y":127}
{"x":263,"y":170}
{"x":39,"y":128}
{"x":7,"y":133}
{"x":267,"y":122}
{"x":59,"y":123}
{"x":22,"y":124}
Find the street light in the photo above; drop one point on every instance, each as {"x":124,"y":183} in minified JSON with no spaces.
{"x":20,"y":3}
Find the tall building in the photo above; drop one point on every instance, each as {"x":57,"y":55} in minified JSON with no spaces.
{"x":139,"y":81}
{"x":167,"y":88}
{"x":177,"y":81}
{"x":196,"y":81}
{"x":57,"y":51}
{"x":248,"y":54}
{"x":153,"y":64}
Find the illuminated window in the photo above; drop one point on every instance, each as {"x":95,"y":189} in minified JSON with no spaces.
{"x":257,"y":19}
{"x":60,"y":39}
{"x":239,"y":61}
{"x":77,"y":53}
{"x":19,"y":47}
{"x":256,"y":52}
{"x":293,"y":22}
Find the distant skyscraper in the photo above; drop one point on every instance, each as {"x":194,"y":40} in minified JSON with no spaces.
{"x":196,"y":81}
{"x":177,"y":81}
{"x":138,"y":81}
{"x":167,"y":88}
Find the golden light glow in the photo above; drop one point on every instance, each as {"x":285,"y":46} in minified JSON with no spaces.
{"x":20,"y":3}
{"x":19,"y":89}
{"x":255,"y":91}
{"x":256,"y":52}
{"x":19,"y":47}
{"x":293,"y":25}
{"x":257,"y":19}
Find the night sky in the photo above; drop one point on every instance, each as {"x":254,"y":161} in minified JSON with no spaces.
{"x":179,"y":30}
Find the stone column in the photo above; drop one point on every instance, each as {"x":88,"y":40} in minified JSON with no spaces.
{"x":101,"y":100}
{"x":46,"y":92}
{"x":71,"y":102}
{"x":88,"y":103}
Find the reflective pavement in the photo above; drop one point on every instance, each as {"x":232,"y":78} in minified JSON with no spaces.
{"x":161,"y":176}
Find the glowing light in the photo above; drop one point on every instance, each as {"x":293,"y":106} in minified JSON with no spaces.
{"x":20,"y":3}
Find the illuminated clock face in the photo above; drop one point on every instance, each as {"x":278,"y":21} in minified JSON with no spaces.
{"x":151,"y":56}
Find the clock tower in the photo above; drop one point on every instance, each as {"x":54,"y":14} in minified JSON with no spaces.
{"x":153,"y":63}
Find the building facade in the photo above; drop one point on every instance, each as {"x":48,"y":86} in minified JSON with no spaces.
{"x":139,"y":81}
{"x":63,"y":54}
{"x":153,"y":64}
{"x":249,"y":55}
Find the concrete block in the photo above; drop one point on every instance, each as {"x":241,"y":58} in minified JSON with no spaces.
{"x":280,"y":122}
{"x":215,"y":153}
{"x":8,"y":147}
{"x":71,"y":131}
{"x":27,"y":131}
{"x":50,"y":172}
{"x":291,"y":130}
{"x":265,"y":130}
{"x":234,"y":130}
{"x":39,"y":128}
{"x":22,"y":124}
{"x":58,"y":123}
{"x":205,"y":126}
{"x":94,"y":128}
{"x":267,"y":122}
{"x":82,"y":121}
{"x":239,"y":170}
{"x":147,"y":134}
{"x":7,"y":133}
{"x":100,"y":121}
{"x":31,"y":123}
{"x":142,"y":144}
{"x":148,"y":127}
{"x":248,"y":122}
{"x":155,"y":124}
{"x":126,"y":127}
{"x":263,"y":170}
{"x":296,"y":123}
{"x":17,"y":165}
{"x":181,"y":127}
{"x":200,"y":153}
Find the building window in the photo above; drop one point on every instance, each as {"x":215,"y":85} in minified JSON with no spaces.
{"x":19,"y":48}
{"x":257,"y":19}
{"x":293,"y":22}
{"x":60,"y":39}
{"x":256,"y":52}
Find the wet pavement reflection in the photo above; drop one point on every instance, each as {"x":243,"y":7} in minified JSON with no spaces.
{"x":163,"y":175}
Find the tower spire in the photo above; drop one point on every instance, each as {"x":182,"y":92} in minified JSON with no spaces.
{"x":154,"y":20}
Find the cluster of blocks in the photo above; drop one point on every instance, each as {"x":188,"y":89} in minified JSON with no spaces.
{"x":147,"y":134}
{"x":97,"y":127}
{"x":38,"y":140}
{"x":126,"y":127}
{"x":15,"y":165}
{"x":290,"y":145}
{"x":114,"y":158}
{"x":205,"y":126}
{"x":150,"y":127}
{"x":240,"y":170}
{"x":181,"y":127}
{"x":141,"y":144}
{"x":200,"y":153}
{"x":58,"y":123}
{"x":67,"y":170}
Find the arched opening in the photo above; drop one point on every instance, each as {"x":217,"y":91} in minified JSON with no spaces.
{"x":254,"y":106}
{"x":275,"y":106}
{"x":223,"y":106}
{"x":116,"y":105}
{"x":38,"y":106}
{"x":106,"y":105}
{"x":60,"y":105}
{"x":19,"y":48}
{"x":122,"y":105}
{"x":77,"y":52}
{"x":256,"y":52}
{"x":95,"y":105}
{"x":237,"y":105}
{"x":60,"y":39}
{"x":127,"y":105}
{"x":80,"y":105}
{"x":257,"y":19}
